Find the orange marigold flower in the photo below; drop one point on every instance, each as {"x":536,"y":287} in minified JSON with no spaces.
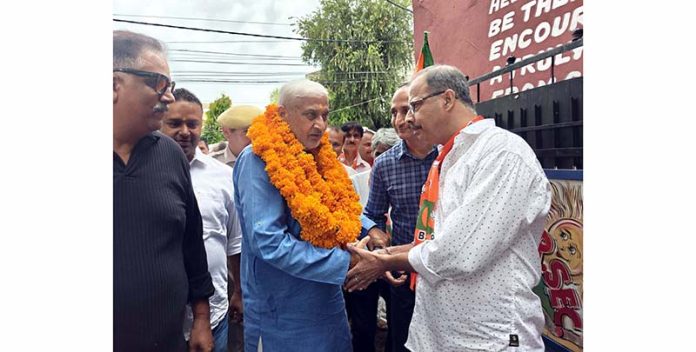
{"x":317,"y":190}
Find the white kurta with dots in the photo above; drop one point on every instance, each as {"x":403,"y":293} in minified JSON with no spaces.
{"x":475,"y":278}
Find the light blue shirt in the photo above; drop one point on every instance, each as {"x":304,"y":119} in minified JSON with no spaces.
{"x":291,"y":289}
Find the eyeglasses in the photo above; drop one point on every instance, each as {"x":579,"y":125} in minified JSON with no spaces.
{"x":154,"y":80}
{"x":414,"y":105}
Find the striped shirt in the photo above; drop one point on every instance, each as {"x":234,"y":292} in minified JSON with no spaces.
{"x":159,"y":257}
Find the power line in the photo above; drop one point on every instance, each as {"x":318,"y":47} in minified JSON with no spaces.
{"x":240,"y":73}
{"x":206,"y":19}
{"x":354,"y":105}
{"x":258,"y":81}
{"x":254,"y":79}
{"x":238,"y":62}
{"x":215,"y":74}
{"x":224,"y":75}
{"x":399,"y":6}
{"x":197,"y":80}
{"x":267,"y":73}
{"x":228,"y":41}
{"x":255,"y":35}
{"x":195,"y":56}
{"x":233,"y":54}
{"x":183,"y":56}
{"x":209,"y":30}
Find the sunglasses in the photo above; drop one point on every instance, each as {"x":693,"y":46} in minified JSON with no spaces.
{"x":414,"y":105}
{"x":154,"y":80}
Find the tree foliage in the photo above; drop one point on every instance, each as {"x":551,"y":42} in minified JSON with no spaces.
{"x":275,"y":94}
{"x":211,"y":130}
{"x":363,"y":70}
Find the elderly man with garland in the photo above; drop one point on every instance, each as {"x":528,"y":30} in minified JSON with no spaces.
{"x":298,"y":211}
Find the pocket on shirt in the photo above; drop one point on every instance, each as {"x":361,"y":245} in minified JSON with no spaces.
{"x":212,"y":207}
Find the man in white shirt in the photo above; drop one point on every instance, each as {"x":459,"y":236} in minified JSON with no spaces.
{"x":482,"y":214}
{"x":336,"y":138}
{"x":350,"y":157}
{"x":365,"y":148}
{"x":214,"y":190}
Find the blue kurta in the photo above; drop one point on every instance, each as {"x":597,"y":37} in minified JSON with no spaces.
{"x":291,"y":289}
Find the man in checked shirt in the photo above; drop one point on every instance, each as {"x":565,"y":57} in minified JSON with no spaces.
{"x":397,"y":178}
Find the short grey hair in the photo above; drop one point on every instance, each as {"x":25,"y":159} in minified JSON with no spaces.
{"x":299,"y":88}
{"x":129,"y":47}
{"x":386,"y":136}
{"x":443,"y":77}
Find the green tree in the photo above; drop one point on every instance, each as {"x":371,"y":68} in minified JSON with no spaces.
{"x":275,"y":94}
{"x":211,"y":130}
{"x":368,"y":62}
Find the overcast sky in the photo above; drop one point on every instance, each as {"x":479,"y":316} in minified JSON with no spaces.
{"x":282,"y":57}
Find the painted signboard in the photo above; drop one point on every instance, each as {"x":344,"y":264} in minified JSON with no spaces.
{"x":479,"y":36}
{"x":561,"y":250}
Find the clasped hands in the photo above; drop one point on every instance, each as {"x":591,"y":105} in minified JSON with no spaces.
{"x":368,"y":262}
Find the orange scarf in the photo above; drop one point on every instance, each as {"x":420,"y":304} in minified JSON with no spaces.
{"x":429,"y":195}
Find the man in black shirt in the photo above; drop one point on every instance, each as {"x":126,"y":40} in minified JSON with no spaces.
{"x":159,"y":257}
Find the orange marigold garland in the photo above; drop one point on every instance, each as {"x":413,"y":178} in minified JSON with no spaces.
{"x":318,"y":192}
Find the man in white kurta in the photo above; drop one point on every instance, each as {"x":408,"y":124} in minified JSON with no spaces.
{"x":475,"y":277}
{"x":214,"y":190}
{"x":212,"y":184}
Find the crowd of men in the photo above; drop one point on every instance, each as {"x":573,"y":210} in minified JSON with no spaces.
{"x":208,"y":255}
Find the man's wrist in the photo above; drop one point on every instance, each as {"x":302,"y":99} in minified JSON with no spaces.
{"x":201,"y":309}
{"x":384,"y":251}
{"x":198,"y":320}
{"x":384,"y":261}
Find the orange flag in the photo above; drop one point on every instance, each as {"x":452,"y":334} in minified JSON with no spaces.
{"x":425,"y":58}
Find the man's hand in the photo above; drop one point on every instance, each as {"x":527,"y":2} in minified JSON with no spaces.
{"x":388,"y":274}
{"x":201,"y":336}
{"x":395,"y":281}
{"x":236,"y":307}
{"x":378,"y":238}
{"x":361,"y":244}
{"x":368,"y":269}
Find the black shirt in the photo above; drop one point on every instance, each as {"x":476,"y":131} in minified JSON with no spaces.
{"x":159,"y":256}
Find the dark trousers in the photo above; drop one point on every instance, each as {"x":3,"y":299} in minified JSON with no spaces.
{"x":235,"y":337}
{"x":363,"y":314}
{"x":235,"y":331}
{"x":402,"y":301}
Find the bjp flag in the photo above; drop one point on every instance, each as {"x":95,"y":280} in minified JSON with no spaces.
{"x":425,"y":58}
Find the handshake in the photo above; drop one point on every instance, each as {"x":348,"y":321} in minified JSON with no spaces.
{"x":371,"y":259}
